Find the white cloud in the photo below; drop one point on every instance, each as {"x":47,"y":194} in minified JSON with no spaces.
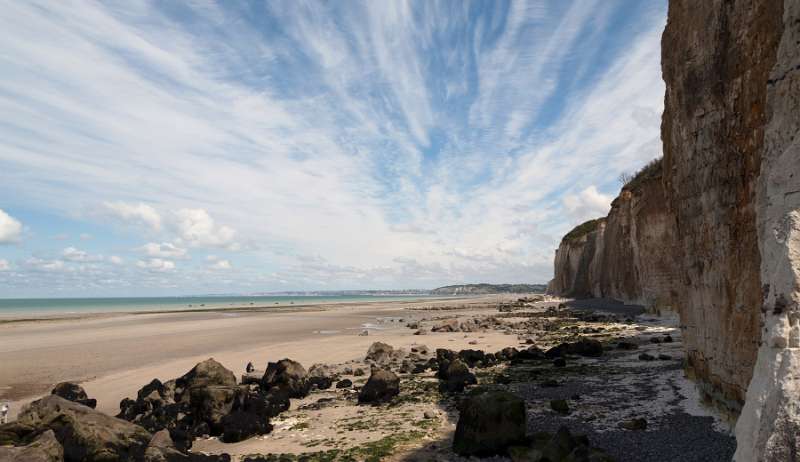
{"x":163,"y":250}
{"x":138,"y":213}
{"x":4,"y":265}
{"x":221,"y":265}
{"x":116,"y":260}
{"x":156,"y":264}
{"x":587,"y":204}
{"x":197,"y":228}
{"x":291,"y":155}
{"x":75,"y":255}
{"x":10,"y":228}
{"x":44,"y":265}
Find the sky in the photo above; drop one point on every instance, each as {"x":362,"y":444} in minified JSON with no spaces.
{"x":169,"y":148}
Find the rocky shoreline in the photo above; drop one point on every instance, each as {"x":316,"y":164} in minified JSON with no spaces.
{"x":578,"y":382}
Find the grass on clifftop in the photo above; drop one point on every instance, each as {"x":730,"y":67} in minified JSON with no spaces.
{"x":652,"y":169}
{"x":582,"y":230}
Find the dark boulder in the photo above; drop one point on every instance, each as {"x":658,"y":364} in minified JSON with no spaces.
{"x":489,"y":423}
{"x":211,"y":404}
{"x":583,"y":347}
{"x":320,"y":376}
{"x":286,"y":375}
{"x":73,"y":392}
{"x":344,"y":383}
{"x":472,"y":357}
{"x":382,"y":386}
{"x":241,"y":425}
{"x":531,"y":353}
{"x":506,"y":354}
{"x":455,"y":376}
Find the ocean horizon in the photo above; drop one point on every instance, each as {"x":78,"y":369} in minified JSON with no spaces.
{"x":39,"y":306}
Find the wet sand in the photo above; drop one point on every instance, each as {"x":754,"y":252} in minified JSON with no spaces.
{"x":112,"y":356}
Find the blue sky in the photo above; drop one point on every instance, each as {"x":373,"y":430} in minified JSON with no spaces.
{"x":152,"y":148}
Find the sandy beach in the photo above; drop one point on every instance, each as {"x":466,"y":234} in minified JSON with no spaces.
{"x":113,"y":355}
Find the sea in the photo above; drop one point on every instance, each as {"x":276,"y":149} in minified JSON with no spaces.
{"x":65,"y":306}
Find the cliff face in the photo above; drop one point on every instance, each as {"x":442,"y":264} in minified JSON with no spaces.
{"x":717,"y":235}
{"x":716,"y":60}
{"x":627,"y":255}
{"x":769,"y":427}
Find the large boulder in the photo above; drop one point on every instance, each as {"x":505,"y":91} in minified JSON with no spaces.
{"x":450,"y":325}
{"x":45,"y":448}
{"x":205,"y":374}
{"x":251,"y":412}
{"x":382,"y":386}
{"x":211,"y":404}
{"x":321,"y":376}
{"x":382,"y":354}
{"x":472,"y":357}
{"x":85,"y":434}
{"x":73,"y":392}
{"x":288,"y":376}
{"x":455,"y":376}
{"x":489,"y":423}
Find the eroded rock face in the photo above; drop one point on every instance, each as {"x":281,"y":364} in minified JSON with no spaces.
{"x":628,"y":255}
{"x":686,"y":237}
{"x":716,"y":60}
{"x":769,"y":426}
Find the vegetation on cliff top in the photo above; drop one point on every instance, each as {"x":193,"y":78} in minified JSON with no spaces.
{"x":651,"y":170}
{"x":582,"y":230}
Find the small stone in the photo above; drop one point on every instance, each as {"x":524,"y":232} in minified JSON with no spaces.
{"x":655,"y":340}
{"x":559,"y":405}
{"x":667,"y":339}
{"x":634,"y":424}
{"x":429,"y":414}
{"x":364,"y":333}
{"x":646,"y":357}
{"x":664,"y":357}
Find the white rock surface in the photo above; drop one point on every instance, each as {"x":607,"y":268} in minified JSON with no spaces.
{"x":769,"y":426}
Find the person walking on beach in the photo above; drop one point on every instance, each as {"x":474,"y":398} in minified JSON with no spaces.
{"x":4,"y":413}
